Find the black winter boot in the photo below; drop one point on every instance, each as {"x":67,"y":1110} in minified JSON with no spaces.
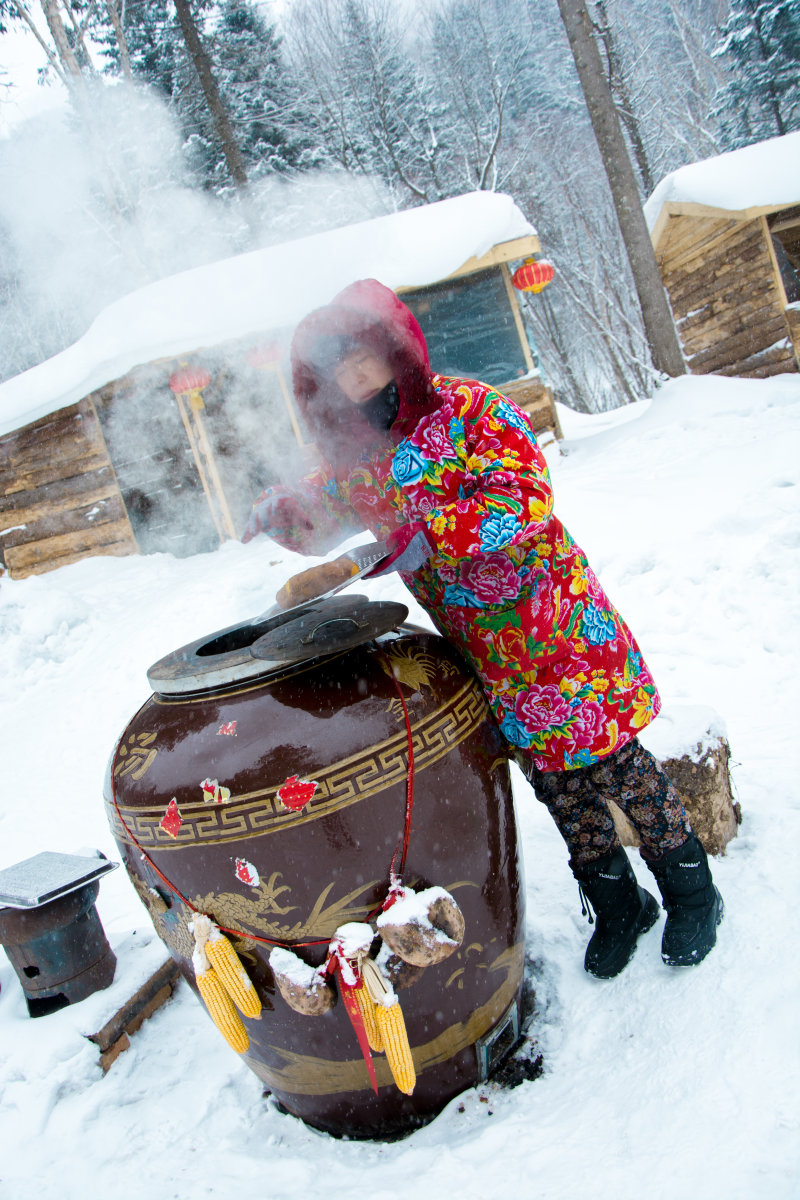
{"x":694,"y":906}
{"x":623,"y":911}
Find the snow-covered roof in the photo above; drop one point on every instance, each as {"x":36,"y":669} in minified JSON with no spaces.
{"x":765,"y":175}
{"x":262,"y":290}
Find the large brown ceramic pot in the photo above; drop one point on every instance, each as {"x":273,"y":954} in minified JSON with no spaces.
{"x":220,"y":739}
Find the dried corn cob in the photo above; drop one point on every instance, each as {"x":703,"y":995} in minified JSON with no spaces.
{"x":367,"y":1006}
{"x":220,"y":1006}
{"x":228,"y":965}
{"x":213,"y":989}
{"x":389,"y":1019}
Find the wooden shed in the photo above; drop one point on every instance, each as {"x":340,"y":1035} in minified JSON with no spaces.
{"x":726,"y":232}
{"x":141,"y":452}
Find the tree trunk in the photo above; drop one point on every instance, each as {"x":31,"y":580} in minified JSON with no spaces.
{"x":59,"y":35}
{"x":615,"y":74}
{"x":658,"y":323}
{"x":230,"y":148}
{"x":122,"y":41}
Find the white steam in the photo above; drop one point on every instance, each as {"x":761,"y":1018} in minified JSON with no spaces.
{"x":96,"y":203}
{"x":94,"y":206}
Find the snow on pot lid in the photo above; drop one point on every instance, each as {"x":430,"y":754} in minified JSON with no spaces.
{"x":256,"y":649}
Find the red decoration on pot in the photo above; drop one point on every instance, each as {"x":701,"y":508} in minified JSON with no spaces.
{"x":214,"y":792}
{"x":172,"y":819}
{"x":246,"y":873}
{"x":189,"y":379}
{"x":295,"y":793}
{"x":227,"y":728}
{"x":534,"y":275}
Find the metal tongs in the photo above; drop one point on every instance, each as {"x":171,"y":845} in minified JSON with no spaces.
{"x":365,"y":557}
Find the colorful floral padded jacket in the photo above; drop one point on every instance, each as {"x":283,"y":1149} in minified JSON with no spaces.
{"x":507,"y":583}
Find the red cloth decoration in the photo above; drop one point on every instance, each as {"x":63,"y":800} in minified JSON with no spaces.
{"x":344,"y":970}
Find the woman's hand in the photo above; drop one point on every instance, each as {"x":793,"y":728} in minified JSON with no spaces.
{"x":307,"y":585}
{"x":409,"y":548}
{"x":277,"y":513}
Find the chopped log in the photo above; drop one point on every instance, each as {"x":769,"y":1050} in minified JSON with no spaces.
{"x":52,"y":426}
{"x":739,"y":346}
{"x":112,"y":1054}
{"x":32,"y":526}
{"x":47,"y":471}
{"x":686,"y":273}
{"x":697,"y":279}
{"x":792,"y":315}
{"x":702,"y":780}
{"x":776,"y":360}
{"x":682,"y":232}
{"x":80,"y":489}
{"x":115,"y":1035}
{"x":726,"y":295}
{"x":114,"y":537}
{"x":721,"y":329}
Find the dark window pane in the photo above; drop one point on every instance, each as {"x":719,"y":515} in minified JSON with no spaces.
{"x":469,"y":327}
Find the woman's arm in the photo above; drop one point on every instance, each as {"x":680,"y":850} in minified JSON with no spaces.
{"x":310,"y":518}
{"x":506,"y":497}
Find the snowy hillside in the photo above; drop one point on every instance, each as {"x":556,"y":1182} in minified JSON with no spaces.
{"x":658,"y":1084}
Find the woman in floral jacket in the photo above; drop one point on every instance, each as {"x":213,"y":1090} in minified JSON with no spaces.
{"x":448,"y":471}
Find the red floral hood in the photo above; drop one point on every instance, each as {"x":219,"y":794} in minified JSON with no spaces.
{"x":371,"y":315}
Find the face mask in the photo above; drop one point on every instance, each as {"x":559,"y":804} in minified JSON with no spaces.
{"x":382,"y":409}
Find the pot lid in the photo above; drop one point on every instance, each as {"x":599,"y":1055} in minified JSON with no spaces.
{"x":339,"y":624}
{"x":322,"y":627}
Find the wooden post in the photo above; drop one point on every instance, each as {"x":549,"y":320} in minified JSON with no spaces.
{"x":203,"y":442}
{"x":513,"y":300}
{"x":201,"y":452}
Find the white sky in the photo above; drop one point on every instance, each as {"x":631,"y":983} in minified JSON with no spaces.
{"x":20,"y":59}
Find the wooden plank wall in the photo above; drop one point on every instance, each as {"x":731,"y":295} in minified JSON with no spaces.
{"x":728,"y":305}
{"x":59,"y":499}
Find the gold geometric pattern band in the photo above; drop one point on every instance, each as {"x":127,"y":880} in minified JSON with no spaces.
{"x":346,"y":782}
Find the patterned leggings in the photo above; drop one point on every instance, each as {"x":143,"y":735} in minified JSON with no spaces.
{"x":631,"y":778}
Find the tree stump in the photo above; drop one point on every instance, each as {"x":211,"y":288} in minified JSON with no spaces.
{"x":691,"y":746}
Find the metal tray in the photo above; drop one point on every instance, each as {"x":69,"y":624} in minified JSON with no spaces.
{"x":48,"y":876}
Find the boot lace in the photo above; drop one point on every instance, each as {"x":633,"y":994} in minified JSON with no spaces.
{"x":586,"y":907}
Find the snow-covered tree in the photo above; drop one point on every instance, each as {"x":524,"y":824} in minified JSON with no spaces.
{"x":368,"y":106}
{"x":257,"y":90}
{"x":760,"y":42}
{"x":488,"y":63}
{"x":220,"y":67}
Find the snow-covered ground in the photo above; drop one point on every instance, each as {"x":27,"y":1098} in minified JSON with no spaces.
{"x":659,"y":1084}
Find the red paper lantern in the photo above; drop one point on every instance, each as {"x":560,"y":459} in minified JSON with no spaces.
{"x":189,"y":379}
{"x":534,"y":275}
